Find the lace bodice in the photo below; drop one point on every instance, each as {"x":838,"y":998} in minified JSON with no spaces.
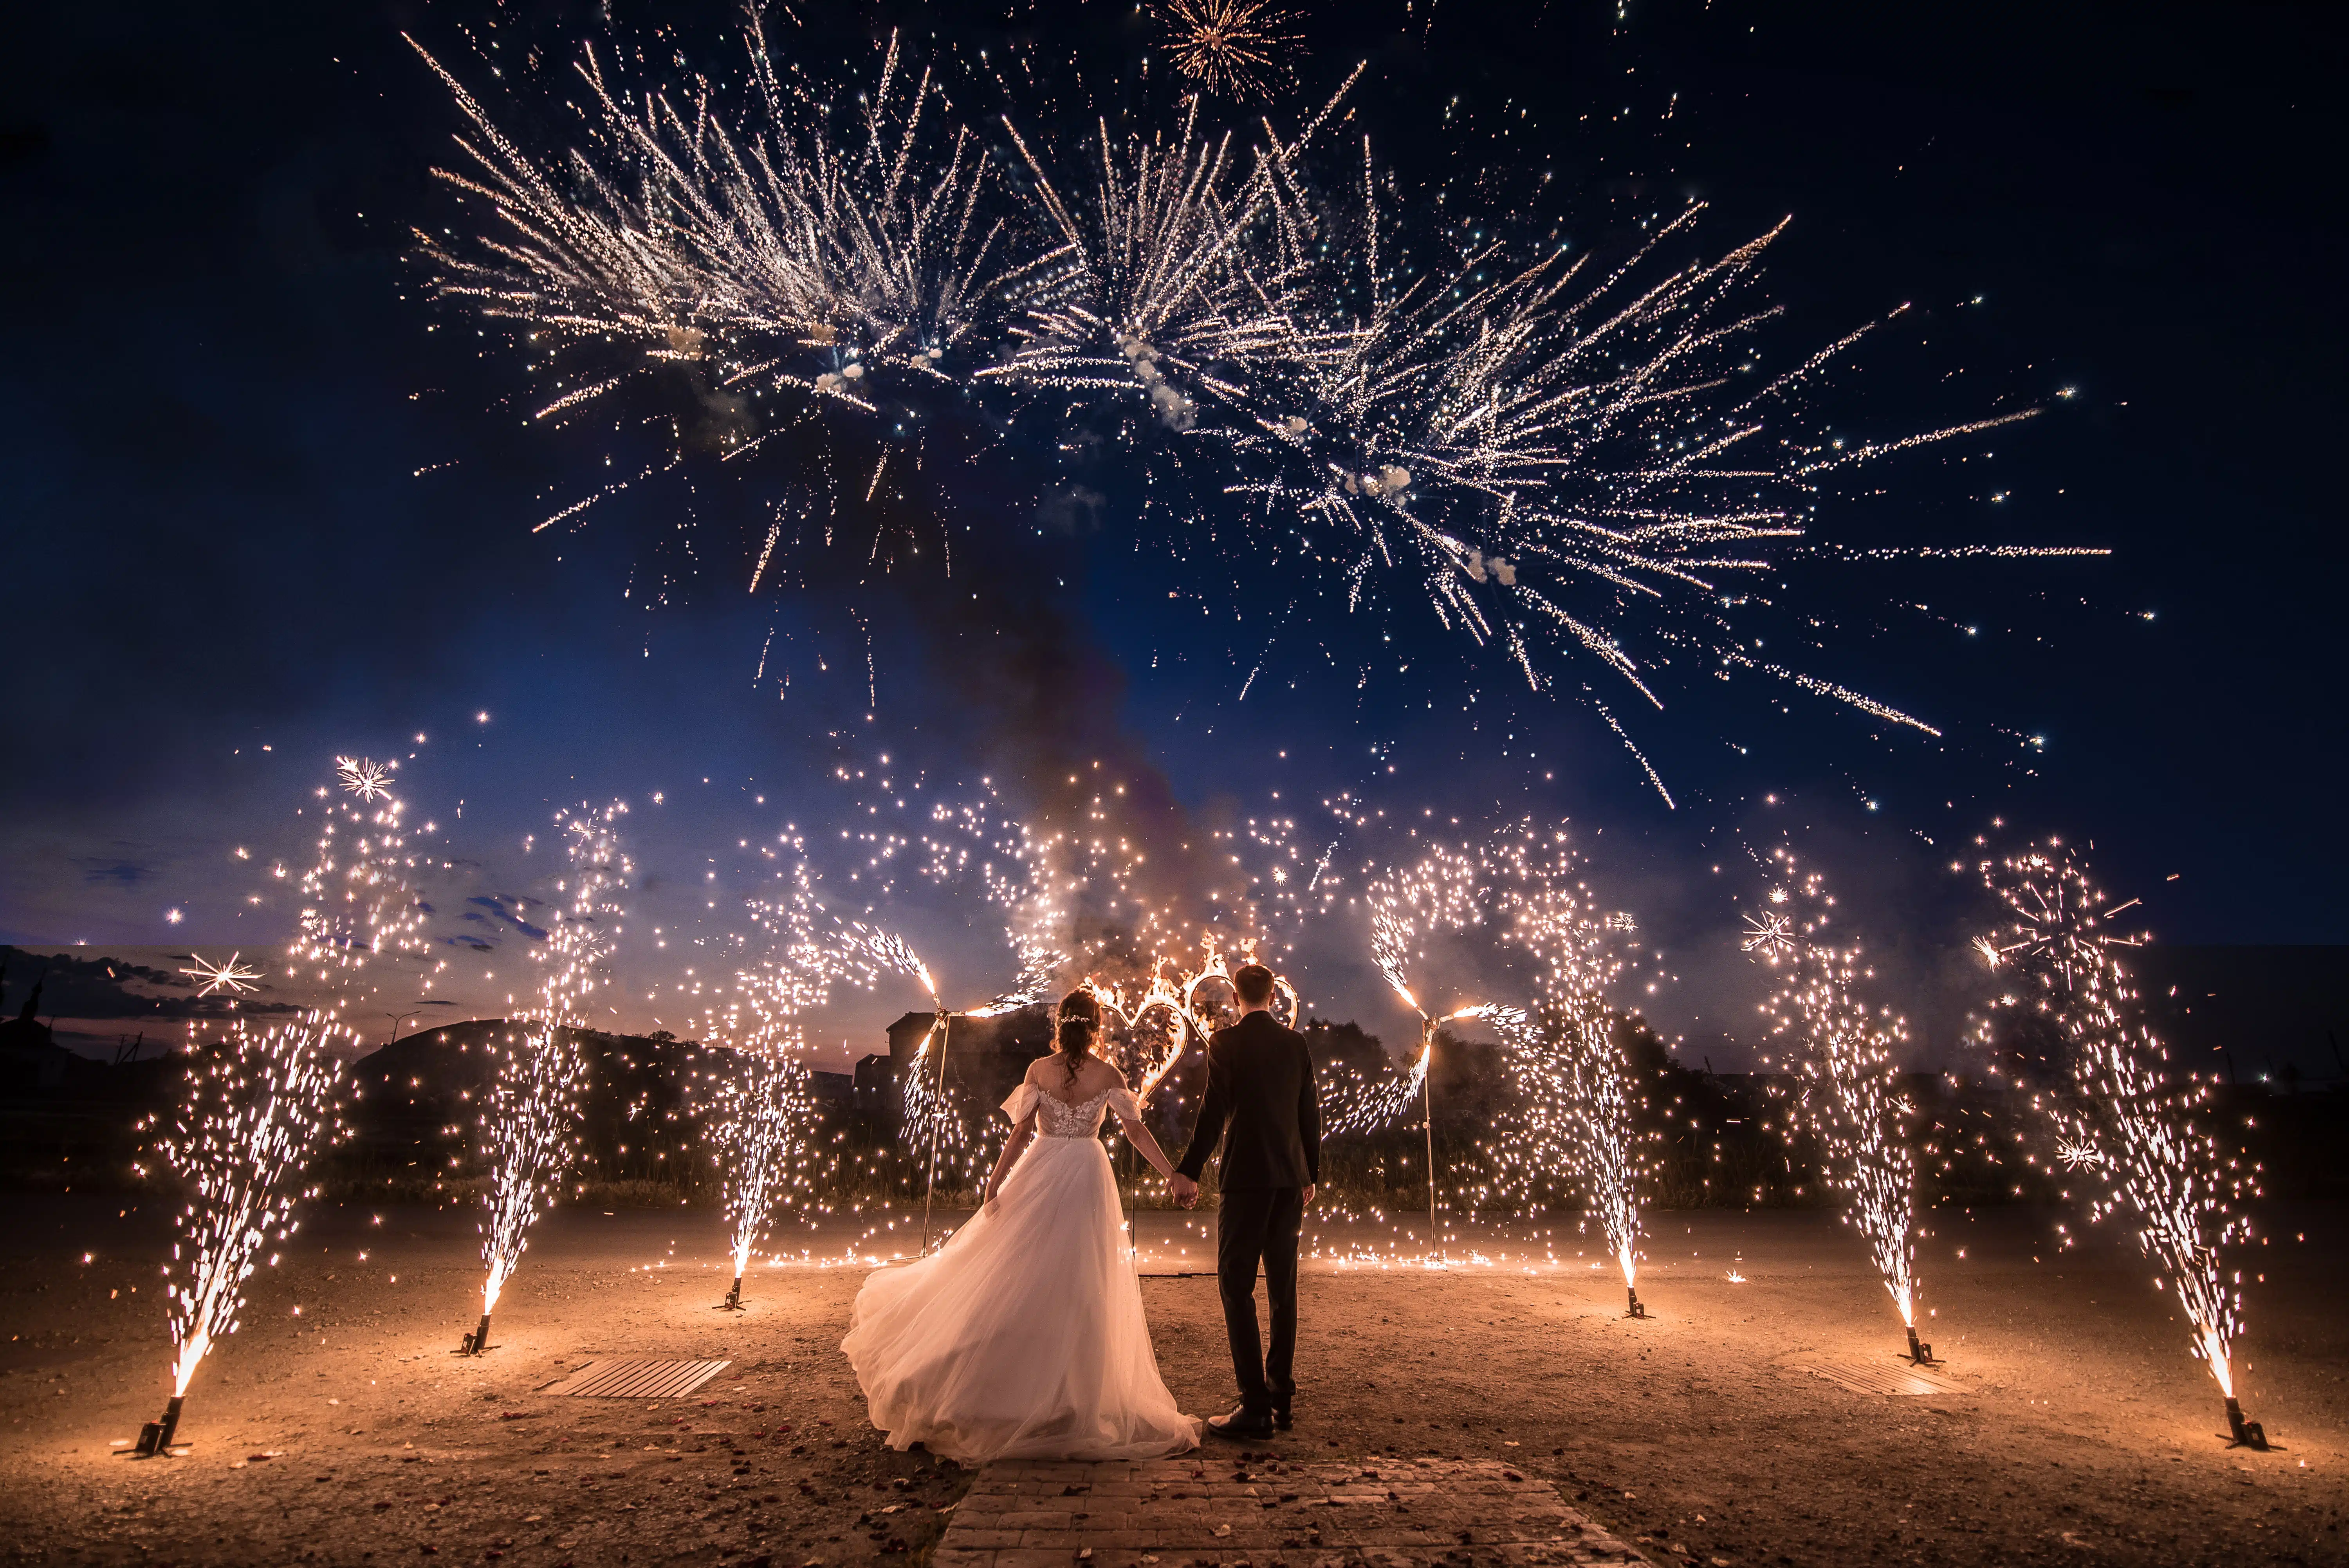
{"x":1055,"y":1117}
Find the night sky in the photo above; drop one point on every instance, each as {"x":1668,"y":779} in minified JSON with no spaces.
{"x":265,"y":502}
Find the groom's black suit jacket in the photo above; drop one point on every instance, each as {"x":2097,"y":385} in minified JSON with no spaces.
{"x":1260,"y":1080}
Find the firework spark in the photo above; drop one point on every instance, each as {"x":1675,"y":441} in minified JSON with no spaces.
{"x":232,"y":976}
{"x":366,"y":778}
{"x":530,"y":1128}
{"x":1240,"y":49}
{"x":2119,"y":1114}
{"x":1848,"y":1093}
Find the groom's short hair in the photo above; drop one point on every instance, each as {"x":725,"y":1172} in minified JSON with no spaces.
{"x":1254,"y":983}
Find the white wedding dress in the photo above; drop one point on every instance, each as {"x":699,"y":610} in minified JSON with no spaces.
{"x":1024,"y":1336}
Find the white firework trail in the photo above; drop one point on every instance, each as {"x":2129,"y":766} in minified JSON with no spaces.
{"x":1582,"y":464}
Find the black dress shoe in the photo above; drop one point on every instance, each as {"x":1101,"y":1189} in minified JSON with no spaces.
{"x":1280,"y":1416}
{"x":1243,"y":1425}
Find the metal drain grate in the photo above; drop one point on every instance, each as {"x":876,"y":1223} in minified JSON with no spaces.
{"x":634,"y":1379}
{"x":1874,"y":1377}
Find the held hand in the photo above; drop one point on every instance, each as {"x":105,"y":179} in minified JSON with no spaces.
{"x":1309,"y":1195}
{"x":1185,"y":1190}
{"x":994,"y":1201}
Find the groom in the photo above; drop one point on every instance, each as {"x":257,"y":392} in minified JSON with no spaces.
{"x":1260,"y":1080}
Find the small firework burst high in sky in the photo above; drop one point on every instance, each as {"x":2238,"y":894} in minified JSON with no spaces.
{"x":2123,"y":1118}
{"x":1240,"y":49}
{"x":1572,"y":1070}
{"x":1579,"y":465}
{"x":530,"y":1128}
{"x":1840,"y":1051}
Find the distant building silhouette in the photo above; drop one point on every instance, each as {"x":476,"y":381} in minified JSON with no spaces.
{"x":30,"y":1057}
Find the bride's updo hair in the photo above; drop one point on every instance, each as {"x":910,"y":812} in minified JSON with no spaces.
{"x":1080,"y":1021}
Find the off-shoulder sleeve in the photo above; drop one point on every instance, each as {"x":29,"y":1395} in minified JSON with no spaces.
{"x":1022,"y":1102}
{"x":1123,"y":1102}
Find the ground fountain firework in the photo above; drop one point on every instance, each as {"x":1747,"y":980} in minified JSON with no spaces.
{"x":1847,"y":1095}
{"x":2126,"y":1120}
{"x":762,"y":1102}
{"x":530,"y":1128}
{"x":258,"y":1107}
{"x":1572,"y":1071}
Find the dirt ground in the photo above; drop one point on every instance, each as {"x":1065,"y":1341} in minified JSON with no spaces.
{"x":2084,"y":1433}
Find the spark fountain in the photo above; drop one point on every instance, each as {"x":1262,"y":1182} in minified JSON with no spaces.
{"x":530,"y":1127}
{"x":1574,"y":1071}
{"x":257,"y":1109}
{"x":762,"y":1108}
{"x":261,"y":1104}
{"x":764,"y":1104}
{"x":1848,"y":1092}
{"x":2127,"y":1120}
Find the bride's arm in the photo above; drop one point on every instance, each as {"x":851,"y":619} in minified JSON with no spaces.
{"x":1137,"y":1133}
{"x":1013,"y":1147}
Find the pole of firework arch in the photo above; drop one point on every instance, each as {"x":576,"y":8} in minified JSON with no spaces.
{"x":532,"y":1118}
{"x":1424,"y":1070}
{"x":2123,"y":1116}
{"x":941,"y":1026}
{"x":889,"y":950}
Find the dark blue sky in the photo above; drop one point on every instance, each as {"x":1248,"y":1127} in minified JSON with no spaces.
{"x":249,"y":499}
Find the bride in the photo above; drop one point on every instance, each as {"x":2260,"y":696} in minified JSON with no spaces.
{"x":1023,"y":1337}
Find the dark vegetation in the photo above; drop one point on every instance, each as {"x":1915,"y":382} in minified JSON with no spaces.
{"x":1715,"y":1139}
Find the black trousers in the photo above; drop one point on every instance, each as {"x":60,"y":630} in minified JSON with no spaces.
{"x":1252,"y":1228}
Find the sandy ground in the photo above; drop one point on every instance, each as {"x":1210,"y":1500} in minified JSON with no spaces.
{"x":2082,"y":1432}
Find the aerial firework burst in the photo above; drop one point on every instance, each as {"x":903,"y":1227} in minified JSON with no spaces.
{"x":258,"y":1107}
{"x":231,"y":976}
{"x":1582,"y":465}
{"x":2122,"y":1116}
{"x":1571,"y":1070}
{"x":366,"y":778}
{"x":1848,"y":1088}
{"x":1240,"y":49}
{"x":530,"y":1128}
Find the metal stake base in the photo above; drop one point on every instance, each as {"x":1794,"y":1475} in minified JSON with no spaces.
{"x":2242,"y":1433}
{"x":1637,"y":1310}
{"x":733,"y":1302}
{"x":1920,"y":1353}
{"x":155,"y":1436}
{"x":478,"y":1341}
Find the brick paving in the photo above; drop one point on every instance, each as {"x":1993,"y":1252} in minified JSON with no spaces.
{"x":1211,"y":1510}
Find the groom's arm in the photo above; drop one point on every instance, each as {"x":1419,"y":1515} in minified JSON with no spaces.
{"x":1309,"y":1120}
{"x":1213,"y":1112}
